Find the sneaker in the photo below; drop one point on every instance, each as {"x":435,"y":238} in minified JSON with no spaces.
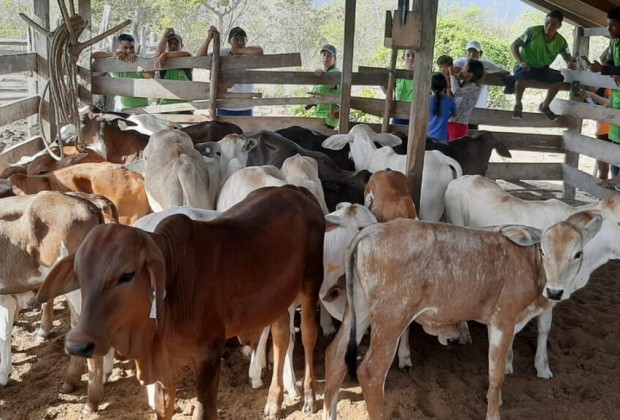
{"x":509,"y":84}
{"x":549,"y":114}
{"x":517,"y":112}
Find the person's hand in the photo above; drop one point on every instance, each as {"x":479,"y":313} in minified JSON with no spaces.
{"x":596,"y":67}
{"x":525,"y":66}
{"x":585,"y":94}
{"x":212,"y":32}
{"x":319,"y":72}
{"x":159,"y":62}
{"x":168,"y":32}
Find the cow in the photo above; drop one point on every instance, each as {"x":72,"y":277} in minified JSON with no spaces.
{"x":313,"y":140}
{"x":240,"y":184}
{"x":175,"y":173}
{"x":150,"y":221}
{"x":208,"y":131}
{"x":37,"y":231}
{"x":303,"y":171}
{"x":446,"y":275}
{"x":42,"y":162}
{"x":338,"y":185}
{"x":388,"y":196}
{"x":475,"y":201}
{"x":123,"y":187}
{"x":439,"y":169}
{"x":160,"y":299}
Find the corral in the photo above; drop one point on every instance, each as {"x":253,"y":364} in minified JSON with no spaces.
{"x":444,"y":382}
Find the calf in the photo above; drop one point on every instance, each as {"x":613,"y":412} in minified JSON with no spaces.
{"x":207,"y":131}
{"x":313,"y":140}
{"x":388,"y":196}
{"x":449,"y":274}
{"x":160,"y":299}
{"x":175,"y":173}
{"x":303,"y":171}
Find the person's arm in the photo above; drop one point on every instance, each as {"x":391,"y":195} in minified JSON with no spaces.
{"x":161,"y":47}
{"x":102,"y":54}
{"x":571,"y":62}
{"x":161,"y":59}
{"x":598,"y":99}
{"x":204,"y":48}
{"x":254,"y":50}
{"x":515,"y":48}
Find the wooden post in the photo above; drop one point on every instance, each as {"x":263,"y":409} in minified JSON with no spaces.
{"x":347,"y":65}
{"x":389,"y":94}
{"x":581,"y":46}
{"x":214,"y":76}
{"x":418,"y":118}
{"x":84,"y":11}
{"x":41,"y":15}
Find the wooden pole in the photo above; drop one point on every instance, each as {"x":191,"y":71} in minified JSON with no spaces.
{"x":389,"y":94}
{"x":418,"y":119}
{"x":84,"y":11}
{"x":214,"y":77}
{"x":41,"y":15}
{"x":347,"y":65}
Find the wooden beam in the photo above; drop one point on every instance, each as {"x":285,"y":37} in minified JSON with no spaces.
{"x":504,"y":119}
{"x":586,"y":111}
{"x":84,"y":11}
{"x":588,"y":78}
{"x":529,"y":171}
{"x":150,"y":88}
{"x":544,"y":143}
{"x":15,"y":152}
{"x":569,"y":15}
{"x":600,"y":31}
{"x":347,"y":65}
{"x":15,"y":63}
{"x":585,"y":182}
{"x":267,"y":61}
{"x":249,"y":124}
{"x":18,"y":110}
{"x":595,"y":148}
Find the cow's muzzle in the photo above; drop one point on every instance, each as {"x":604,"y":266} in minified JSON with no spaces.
{"x":79,"y":349}
{"x":554,"y":294}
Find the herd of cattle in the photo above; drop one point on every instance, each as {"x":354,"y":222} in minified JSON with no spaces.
{"x":167,"y":241}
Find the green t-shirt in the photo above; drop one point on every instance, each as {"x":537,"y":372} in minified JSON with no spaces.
{"x":404,"y":89}
{"x":328,"y":111}
{"x":174,"y":74}
{"x":537,"y":51}
{"x":614,"y":98}
{"x":129,"y":101}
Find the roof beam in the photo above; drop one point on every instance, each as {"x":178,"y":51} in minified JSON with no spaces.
{"x":576,"y":12}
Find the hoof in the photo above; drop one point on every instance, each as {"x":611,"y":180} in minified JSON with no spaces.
{"x":90,"y":408}
{"x":67,"y":388}
{"x":272,"y":410}
{"x":545,"y":374}
{"x":4,"y":380}
{"x":308,"y":407}
{"x":256,"y":384}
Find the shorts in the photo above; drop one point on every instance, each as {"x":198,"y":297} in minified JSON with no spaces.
{"x":457,"y":130}
{"x":542,"y":75}
{"x":230,"y":113}
{"x":400,"y":121}
{"x":604,"y":137}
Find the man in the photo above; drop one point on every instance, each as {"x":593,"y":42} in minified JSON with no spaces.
{"x":237,"y":38}
{"x":170,"y":46}
{"x":474,"y":50}
{"x":403,"y":88}
{"x":534,"y":51}
{"x":329,"y":112}
{"x":125,"y":51}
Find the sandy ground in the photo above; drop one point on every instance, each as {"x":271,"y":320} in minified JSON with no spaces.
{"x":446,"y":382}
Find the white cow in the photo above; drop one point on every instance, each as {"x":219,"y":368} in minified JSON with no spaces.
{"x":439,"y":169}
{"x":303,"y":171}
{"x":175,"y":174}
{"x":473,"y":200}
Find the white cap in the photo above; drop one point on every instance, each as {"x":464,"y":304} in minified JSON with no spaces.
{"x":476,"y":45}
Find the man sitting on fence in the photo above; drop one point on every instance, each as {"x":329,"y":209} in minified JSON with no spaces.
{"x":170,"y":46}
{"x":125,"y":51}
{"x":535,"y":50}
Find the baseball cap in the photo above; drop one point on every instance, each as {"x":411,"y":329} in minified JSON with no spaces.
{"x":329,"y":48}
{"x":175,"y":36}
{"x":476,"y":45}
{"x":236,"y":31}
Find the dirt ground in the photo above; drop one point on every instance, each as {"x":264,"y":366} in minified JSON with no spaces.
{"x":446,"y":382}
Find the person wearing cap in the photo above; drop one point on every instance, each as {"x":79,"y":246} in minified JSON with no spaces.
{"x":329,"y":112}
{"x":125,"y":51}
{"x":403,"y":88}
{"x":237,"y":38}
{"x":534,"y":51}
{"x":170,"y":46}
{"x":474,"y":50}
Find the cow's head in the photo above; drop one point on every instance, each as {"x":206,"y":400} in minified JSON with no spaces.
{"x":120,"y":271}
{"x":562,"y":247}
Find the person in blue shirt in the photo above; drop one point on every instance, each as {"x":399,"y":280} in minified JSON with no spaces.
{"x":441,"y":109}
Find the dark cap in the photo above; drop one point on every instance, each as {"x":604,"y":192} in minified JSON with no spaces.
{"x":329,"y":48}
{"x":175,"y":36}
{"x":236,"y":31}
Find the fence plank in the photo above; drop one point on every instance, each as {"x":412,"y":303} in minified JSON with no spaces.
{"x":588,"y":78}
{"x":598,"y":149}
{"x":150,"y":88}
{"x":585,"y":182}
{"x":584,"y":110}
{"x":525,"y":171}
{"x":15,"y":152}
{"x":20,"y":109}
{"x":14,"y":63}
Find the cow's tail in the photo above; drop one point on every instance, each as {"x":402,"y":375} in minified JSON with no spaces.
{"x":351,"y":257}
{"x":457,"y":170}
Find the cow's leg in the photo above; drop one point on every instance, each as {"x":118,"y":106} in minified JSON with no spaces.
{"x":8,"y":306}
{"x":327,"y":324}
{"x":280,"y":335}
{"x":76,"y":364}
{"x":207,"y":381}
{"x":164,"y":400}
{"x":542,"y":358}
{"x":509,"y":366}
{"x":95,"y":384}
{"x":500,"y":340}
{"x":289,"y":379}
{"x":309,"y":337}
{"x":47,"y":319}
{"x":335,"y":367}
{"x":108,"y":365}
{"x":258,"y":360}
{"x":464,"y":336}
{"x":404,"y":352}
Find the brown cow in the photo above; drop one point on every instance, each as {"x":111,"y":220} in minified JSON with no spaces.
{"x":123,"y":187}
{"x":388,"y":196}
{"x":161,"y":299}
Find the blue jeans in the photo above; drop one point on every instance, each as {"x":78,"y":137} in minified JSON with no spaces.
{"x":230,"y":113}
{"x":400,"y":121}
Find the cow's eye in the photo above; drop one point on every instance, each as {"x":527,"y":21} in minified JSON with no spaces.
{"x":126,"y":277}
{"x":578,"y":255}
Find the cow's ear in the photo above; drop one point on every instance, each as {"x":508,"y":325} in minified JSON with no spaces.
{"x":387,"y":139}
{"x":249,"y":144}
{"x":337,"y":141}
{"x":157,"y":270}
{"x":59,"y":281}
{"x":521,"y":235}
{"x":589,"y":222}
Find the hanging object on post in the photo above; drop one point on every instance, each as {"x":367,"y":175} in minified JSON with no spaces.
{"x":403,"y":27}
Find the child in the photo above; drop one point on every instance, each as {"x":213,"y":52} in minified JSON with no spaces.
{"x":441,"y":108}
{"x":445,"y":63}
{"x":465,"y":89}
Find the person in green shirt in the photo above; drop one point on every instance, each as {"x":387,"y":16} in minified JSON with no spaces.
{"x":534,"y":51}
{"x":403,"y":88}
{"x":125,"y":51}
{"x":170,"y":46}
{"x":329,"y":112}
